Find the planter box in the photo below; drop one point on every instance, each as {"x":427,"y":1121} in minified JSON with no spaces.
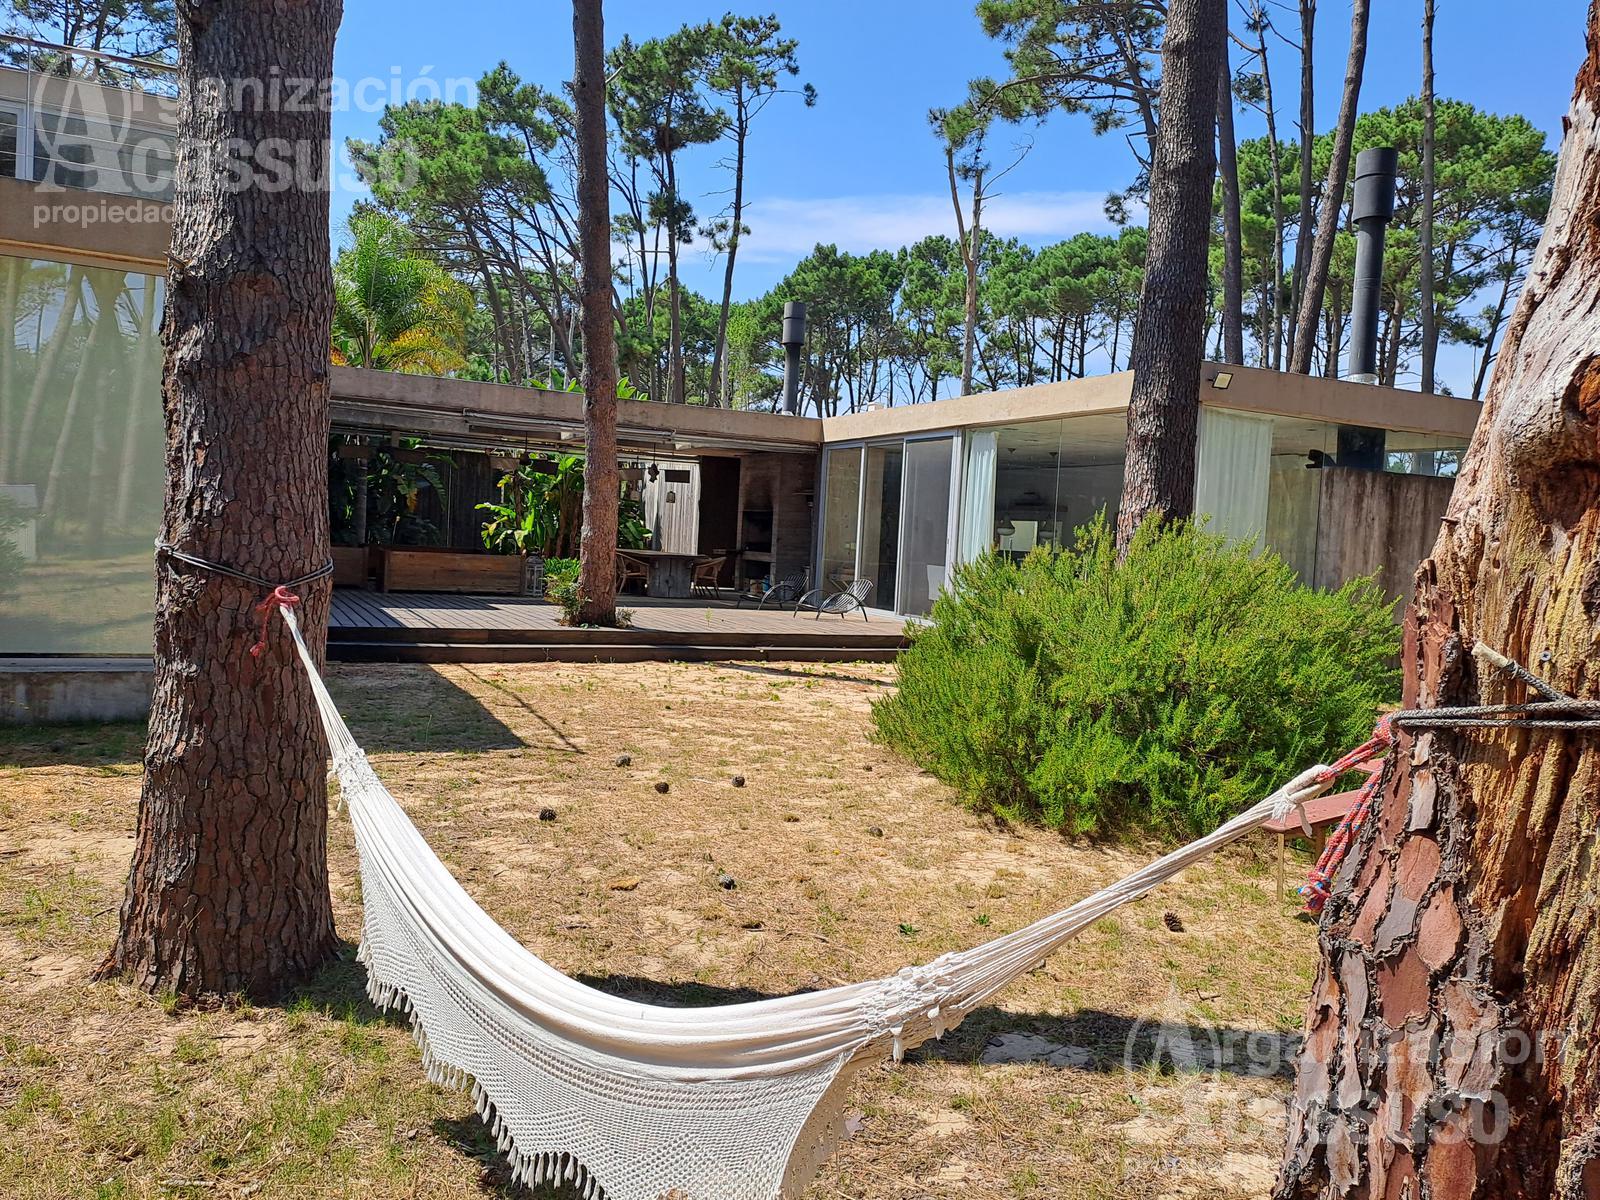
{"x":352,"y":566}
{"x":428,"y":569}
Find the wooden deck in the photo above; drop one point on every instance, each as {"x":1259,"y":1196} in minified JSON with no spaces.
{"x":432,"y":627}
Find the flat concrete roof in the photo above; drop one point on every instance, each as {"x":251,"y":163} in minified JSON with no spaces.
{"x":493,"y":413}
{"x":92,"y":229}
{"x":89,"y":228}
{"x":381,"y":402}
{"x":1250,"y":389}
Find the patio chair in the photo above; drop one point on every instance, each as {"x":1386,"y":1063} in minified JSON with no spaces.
{"x":631,"y":570}
{"x":787,"y":590}
{"x":852,"y":599}
{"x":707,"y":576}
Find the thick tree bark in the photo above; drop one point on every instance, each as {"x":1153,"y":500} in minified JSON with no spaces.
{"x":598,"y":553}
{"x":1232,"y":233}
{"x":1453,"y":1038}
{"x":1169,"y":332}
{"x":1430,"y":319}
{"x":1316,"y":281}
{"x":228,"y":892}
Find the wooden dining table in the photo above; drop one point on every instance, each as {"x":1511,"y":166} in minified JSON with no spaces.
{"x":669,"y":572}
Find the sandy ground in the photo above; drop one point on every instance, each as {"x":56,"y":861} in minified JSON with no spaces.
{"x":1139,"y":1062}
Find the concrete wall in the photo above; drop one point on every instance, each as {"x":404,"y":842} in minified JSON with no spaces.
{"x":1377,"y":521}
{"x":37,"y":691}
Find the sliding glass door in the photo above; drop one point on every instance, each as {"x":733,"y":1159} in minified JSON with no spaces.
{"x":925,"y":529}
{"x":880,"y":522}
{"x":886,"y":518}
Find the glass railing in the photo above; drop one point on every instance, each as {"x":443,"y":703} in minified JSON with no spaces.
{"x":82,"y":120}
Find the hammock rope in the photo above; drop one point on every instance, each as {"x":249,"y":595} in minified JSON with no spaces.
{"x":634,"y":1101}
{"x":1557,"y":711}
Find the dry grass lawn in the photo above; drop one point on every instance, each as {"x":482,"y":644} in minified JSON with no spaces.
{"x":1151,"y":1061}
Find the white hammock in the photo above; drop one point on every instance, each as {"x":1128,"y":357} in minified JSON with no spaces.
{"x":638,"y":1101}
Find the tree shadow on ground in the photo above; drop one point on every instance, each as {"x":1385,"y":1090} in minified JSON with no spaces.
{"x":420,"y":710}
{"x":78,"y":744}
{"x":1089,"y":1040}
{"x":565,"y":743}
{"x":338,"y":990}
{"x":819,"y":673}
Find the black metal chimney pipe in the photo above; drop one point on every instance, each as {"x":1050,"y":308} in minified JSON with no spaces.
{"x":1374,"y":207}
{"x":794,"y":340}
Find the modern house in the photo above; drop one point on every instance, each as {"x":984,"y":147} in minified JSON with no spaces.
{"x":897,"y":496}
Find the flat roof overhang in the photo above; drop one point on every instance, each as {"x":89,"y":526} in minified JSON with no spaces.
{"x":1250,"y":389}
{"x":470,"y":413}
{"x":91,"y":229}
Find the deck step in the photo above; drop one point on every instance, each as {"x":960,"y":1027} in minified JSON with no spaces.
{"x":807,"y":633}
{"x":648,"y":650}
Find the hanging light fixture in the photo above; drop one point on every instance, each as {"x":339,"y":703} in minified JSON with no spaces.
{"x":1006,"y":528}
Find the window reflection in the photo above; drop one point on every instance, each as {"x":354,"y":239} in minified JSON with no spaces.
{"x":81,"y":457}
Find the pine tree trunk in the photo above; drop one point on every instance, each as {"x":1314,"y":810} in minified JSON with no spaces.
{"x":1232,"y":234}
{"x":720,"y":393}
{"x":1276,"y":342}
{"x":228,"y":891}
{"x":1453,"y":1037}
{"x":1308,"y":135}
{"x":1316,"y":281}
{"x":598,"y":570}
{"x":1430,"y":320}
{"x":1169,"y":332}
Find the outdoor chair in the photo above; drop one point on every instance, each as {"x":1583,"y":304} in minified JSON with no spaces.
{"x":631,"y":570}
{"x":787,"y":590}
{"x":852,"y":599}
{"x":707,"y":576}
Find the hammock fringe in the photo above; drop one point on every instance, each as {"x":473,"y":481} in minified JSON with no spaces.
{"x":729,"y":1102}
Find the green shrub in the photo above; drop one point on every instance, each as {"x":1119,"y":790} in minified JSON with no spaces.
{"x":564,"y":592}
{"x":1161,"y":693}
{"x":560,"y":570}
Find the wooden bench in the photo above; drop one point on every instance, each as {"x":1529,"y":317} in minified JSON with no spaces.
{"x":1322,"y":813}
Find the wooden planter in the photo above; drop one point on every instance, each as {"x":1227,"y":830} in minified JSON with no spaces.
{"x":352,"y":566}
{"x":430,"y":569}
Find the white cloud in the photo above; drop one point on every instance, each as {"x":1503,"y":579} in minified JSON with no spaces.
{"x":783,"y":229}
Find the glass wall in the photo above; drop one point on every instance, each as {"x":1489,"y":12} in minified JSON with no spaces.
{"x":81,"y":457}
{"x":886,"y":518}
{"x":1039,"y":483}
{"x":880,"y":524}
{"x":926,"y":538}
{"x":841,"y":515}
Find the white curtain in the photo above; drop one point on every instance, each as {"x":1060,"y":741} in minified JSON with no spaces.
{"x":977,"y":496}
{"x":1232,"y":472}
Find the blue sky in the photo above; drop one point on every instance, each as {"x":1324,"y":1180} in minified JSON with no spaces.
{"x":861,"y":169}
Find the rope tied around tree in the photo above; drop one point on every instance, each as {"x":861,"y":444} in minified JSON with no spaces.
{"x":1556,"y":710}
{"x":278,"y":595}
